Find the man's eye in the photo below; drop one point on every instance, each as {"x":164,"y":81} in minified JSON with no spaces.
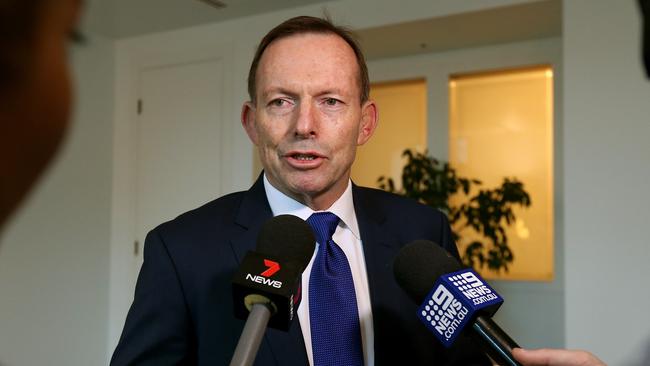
{"x":278,"y":103}
{"x":331,"y":101}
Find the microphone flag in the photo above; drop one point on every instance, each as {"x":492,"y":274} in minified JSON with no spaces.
{"x":454,"y":301}
{"x":267,"y":279}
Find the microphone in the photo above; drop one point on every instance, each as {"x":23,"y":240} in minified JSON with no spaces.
{"x":459,"y":298}
{"x":266,"y":288}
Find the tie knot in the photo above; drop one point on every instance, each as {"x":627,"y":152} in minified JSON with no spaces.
{"x":324,"y":225}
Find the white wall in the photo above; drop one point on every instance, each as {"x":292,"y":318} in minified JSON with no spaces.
{"x":54,"y":254}
{"x":607,"y":173}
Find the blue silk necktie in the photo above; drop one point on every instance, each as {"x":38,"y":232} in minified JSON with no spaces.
{"x":333,"y":314}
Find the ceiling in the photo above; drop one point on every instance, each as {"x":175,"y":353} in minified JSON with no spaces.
{"x":126,"y":18}
{"x":499,"y":25}
{"x":528,"y":20}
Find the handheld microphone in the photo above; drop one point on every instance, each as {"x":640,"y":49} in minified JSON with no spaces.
{"x":459,"y":298}
{"x":266,"y":288}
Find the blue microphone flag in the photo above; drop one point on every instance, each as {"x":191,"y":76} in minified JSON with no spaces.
{"x":454,"y":301}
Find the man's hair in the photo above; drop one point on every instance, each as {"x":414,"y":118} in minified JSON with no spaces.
{"x":304,"y":25}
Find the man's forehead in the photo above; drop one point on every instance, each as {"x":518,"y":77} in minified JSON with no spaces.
{"x":325,"y":57}
{"x":295,"y":88}
{"x":319,"y":43}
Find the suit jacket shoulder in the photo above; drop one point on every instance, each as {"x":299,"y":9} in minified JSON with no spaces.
{"x":182,"y":308}
{"x":405,"y":217}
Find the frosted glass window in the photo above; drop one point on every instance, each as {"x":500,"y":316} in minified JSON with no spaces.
{"x":402,"y":109}
{"x":501,"y":125}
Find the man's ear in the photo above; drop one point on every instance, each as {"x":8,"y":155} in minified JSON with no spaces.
{"x":369,"y":121}
{"x":248,"y":121}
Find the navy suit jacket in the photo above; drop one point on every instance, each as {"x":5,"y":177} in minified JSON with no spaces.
{"x":182,"y":312}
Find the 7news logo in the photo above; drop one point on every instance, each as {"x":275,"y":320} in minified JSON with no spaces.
{"x":262,"y":278}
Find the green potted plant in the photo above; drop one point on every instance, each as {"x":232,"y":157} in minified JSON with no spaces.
{"x":486,"y":211}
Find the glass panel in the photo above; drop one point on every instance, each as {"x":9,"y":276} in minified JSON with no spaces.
{"x":501,"y":125}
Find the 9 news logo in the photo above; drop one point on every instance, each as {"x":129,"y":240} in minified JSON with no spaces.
{"x":473,"y":288}
{"x":262,"y":278}
{"x":443,"y":313}
{"x":454,"y":300}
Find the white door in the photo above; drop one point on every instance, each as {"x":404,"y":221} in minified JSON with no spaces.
{"x":178,"y":142}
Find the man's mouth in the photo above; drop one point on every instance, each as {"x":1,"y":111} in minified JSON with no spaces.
{"x":304,"y":157}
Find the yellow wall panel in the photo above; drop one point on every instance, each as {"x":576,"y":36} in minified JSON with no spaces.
{"x":402,"y":124}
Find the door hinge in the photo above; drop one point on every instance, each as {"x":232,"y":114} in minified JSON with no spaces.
{"x":139,"y":106}
{"x":136,"y":247}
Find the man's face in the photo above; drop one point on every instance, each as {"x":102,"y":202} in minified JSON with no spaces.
{"x":308,"y":118}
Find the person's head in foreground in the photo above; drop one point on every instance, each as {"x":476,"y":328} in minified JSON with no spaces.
{"x":35,"y":91}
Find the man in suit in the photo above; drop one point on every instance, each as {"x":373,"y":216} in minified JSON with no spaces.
{"x":308,"y":111}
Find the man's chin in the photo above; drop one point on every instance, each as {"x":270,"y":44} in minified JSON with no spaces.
{"x":306,"y":190}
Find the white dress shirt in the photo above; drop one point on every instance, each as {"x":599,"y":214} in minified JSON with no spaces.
{"x":348,"y":238}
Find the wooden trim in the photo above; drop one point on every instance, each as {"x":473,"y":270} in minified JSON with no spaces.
{"x":398,"y":82}
{"x":504,"y":71}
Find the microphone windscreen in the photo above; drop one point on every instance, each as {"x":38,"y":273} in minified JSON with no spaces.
{"x":287,"y":237}
{"x":419,"y":264}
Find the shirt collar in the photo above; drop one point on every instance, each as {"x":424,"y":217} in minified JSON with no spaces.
{"x":282,"y":204}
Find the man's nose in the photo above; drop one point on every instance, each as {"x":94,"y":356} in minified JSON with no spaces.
{"x":306,"y":120}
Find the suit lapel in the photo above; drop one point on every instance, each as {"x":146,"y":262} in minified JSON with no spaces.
{"x":254,"y":211}
{"x":380,"y":247}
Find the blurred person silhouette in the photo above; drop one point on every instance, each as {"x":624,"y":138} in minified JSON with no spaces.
{"x":35,"y":91}
{"x":644,"y":5}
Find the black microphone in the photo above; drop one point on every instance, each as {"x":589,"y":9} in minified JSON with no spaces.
{"x":452,"y":298}
{"x":266,"y":288}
